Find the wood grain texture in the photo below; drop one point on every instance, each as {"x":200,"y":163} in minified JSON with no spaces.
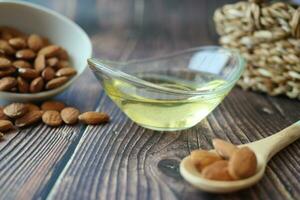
{"x":121,"y":160}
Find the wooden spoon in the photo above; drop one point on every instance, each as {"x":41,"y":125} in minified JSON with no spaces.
{"x":264,"y":149}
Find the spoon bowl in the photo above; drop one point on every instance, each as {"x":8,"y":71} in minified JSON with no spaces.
{"x":264,"y":150}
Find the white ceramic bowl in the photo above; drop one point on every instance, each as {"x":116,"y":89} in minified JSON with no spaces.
{"x":31,"y":18}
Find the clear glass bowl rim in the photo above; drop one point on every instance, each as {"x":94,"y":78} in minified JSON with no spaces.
{"x":102,"y":65}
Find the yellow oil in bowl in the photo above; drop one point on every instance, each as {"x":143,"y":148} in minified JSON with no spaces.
{"x":166,"y":111}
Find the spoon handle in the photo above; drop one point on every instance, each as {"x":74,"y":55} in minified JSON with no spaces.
{"x":269,"y":146}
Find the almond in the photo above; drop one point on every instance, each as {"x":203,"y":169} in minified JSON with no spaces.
{"x":4,"y":46}
{"x":53,"y":105}
{"x":6,"y":125}
{"x":243,"y":163}
{"x":56,"y":82}
{"x":202,"y":158}
{"x":21,"y":64}
{"x":7,"y":83}
{"x":217,"y":171}
{"x":2,"y":115}
{"x":69,"y":115}
{"x":63,"y":54}
{"x":66,"y":71}
{"x":26,"y":54}
{"x":15,"y":110}
{"x":63,"y":63}
{"x":223,"y":148}
{"x":35,"y":42}
{"x":40,"y":63}
{"x":52,"y":62}
{"x":28,"y":73}
{"x":29,"y":118}
{"x":36,"y":85}
{"x":48,"y":73}
{"x":17,"y":43}
{"x":93,"y":118}
{"x":7,"y":71}
{"x":23,"y":85}
{"x":32,"y":107}
{"x":1,"y":136}
{"x":4,"y":62}
{"x":52,"y":118}
{"x":49,"y":51}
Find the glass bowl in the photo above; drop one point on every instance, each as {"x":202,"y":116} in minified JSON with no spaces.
{"x":171,"y":92}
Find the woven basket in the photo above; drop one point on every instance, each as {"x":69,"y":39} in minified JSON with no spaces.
{"x":268,"y":36}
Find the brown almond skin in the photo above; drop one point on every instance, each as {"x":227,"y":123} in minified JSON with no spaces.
{"x":52,"y":62}
{"x":4,"y":62}
{"x":28,"y":73}
{"x":63,"y":54}
{"x":52,"y":118}
{"x":15,"y":110}
{"x":63,"y":64}
{"x":6,"y":125}
{"x":93,"y":118}
{"x":35,"y":42}
{"x":2,"y":115}
{"x":69,"y":115}
{"x":7,"y":83}
{"x":36,"y":85}
{"x":26,"y":54}
{"x":202,"y":158}
{"x":243,"y":163}
{"x":32,"y":107}
{"x":67,"y":71}
{"x":56,"y":82}
{"x":17,"y":43}
{"x":49,"y":51}
{"x":21,"y":64}
{"x":6,"y":48}
{"x":1,"y":136}
{"x":7,"y":71}
{"x":223,"y":148}
{"x":53,"y":105}
{"x":23,"y":85}
{"x":48,"y":73}
{"x":40,"y":63}
{"x":217,"y":171}
{"x":29,"y":118}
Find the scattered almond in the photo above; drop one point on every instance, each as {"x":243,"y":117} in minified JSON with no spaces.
{"x":223,"y":148}
{"x":242,"y":163}
{"x":2,"y":115}
{"x":52,"y":62}
{"x":52,"y":118}
{"x":93,"y":118}
{"x":15,"y":110}
{"x":202,"y":158}
{"x":1,"y":136}
{"x":7,"y":71}
{"x":217,"y":171}
{"x":6,"y":48}
{"x":53,"y":105}
{"x":29,"y":118}
{"x":69,"y":115}
{"x":32,"y":107}
{"x":6,"y":125}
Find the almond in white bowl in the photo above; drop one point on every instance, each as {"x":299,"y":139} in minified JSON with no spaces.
{"x":39,"y":21}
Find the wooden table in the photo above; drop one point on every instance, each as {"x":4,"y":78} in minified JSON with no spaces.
{"x":121,"y":160}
